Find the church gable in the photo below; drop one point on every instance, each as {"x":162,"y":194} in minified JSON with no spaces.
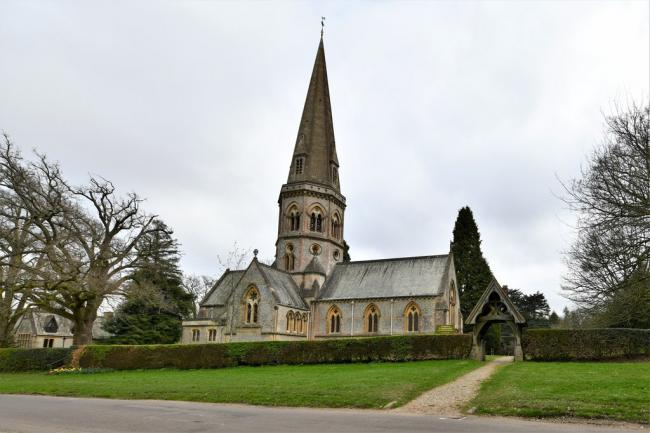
{"x":275,"y":287}
{"x":220,"y":292}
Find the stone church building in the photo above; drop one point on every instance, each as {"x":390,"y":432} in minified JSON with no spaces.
{"x":310,"y":292}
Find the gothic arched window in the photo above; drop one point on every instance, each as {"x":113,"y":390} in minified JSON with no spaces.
{"x":305,"y":323}
{"x":293,"y":218}
{"x":289,"y":261}
{"x":371,"y":318}
{"x":316,"y":220}
{"x":334,"y":320}
{"x":412,"y":317}
{"x":251,"y":306}
{"x":290,"y":321}
{"x":336,"y":227}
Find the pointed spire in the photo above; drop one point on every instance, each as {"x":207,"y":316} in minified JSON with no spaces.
{"x":314,"y":155}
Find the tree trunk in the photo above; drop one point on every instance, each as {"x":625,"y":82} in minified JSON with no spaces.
{"x":83,"y":326}
{"x":6,"y":333}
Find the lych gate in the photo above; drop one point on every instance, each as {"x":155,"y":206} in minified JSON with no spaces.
{"x":494,"y":306}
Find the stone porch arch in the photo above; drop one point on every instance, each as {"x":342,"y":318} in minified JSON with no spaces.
{"x":494,"y":306}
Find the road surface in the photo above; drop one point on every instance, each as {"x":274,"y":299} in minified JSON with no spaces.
{"x":31,"y":414}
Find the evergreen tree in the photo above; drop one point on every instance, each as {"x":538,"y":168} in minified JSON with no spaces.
{"x":554,"y":319}
{"x":472,"y":270}
{"x":155,"y":299}
{"x":533,"y":307}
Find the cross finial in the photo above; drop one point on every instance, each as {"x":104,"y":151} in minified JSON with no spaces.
{"x":322,"y":26}
{"x":255,"y":252}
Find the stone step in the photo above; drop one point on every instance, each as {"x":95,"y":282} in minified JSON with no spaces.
{"x":445,"y":329}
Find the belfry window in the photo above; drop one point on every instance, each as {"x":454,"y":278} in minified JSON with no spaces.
{"x":251,"y":306}
{"x":294,"y":221}
{"x":300,"y":165}
{"x":336,"y":227}
{"x":412,"y":318}
{"x":316,"y":221}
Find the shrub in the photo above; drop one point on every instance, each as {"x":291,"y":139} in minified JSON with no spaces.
{"x":13,"y":360}
{"x":585,"y":344}
{"x":402,"y":348}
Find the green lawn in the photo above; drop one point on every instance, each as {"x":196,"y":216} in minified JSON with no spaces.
{"x":612,"y":390}
{"x":370,"y":385}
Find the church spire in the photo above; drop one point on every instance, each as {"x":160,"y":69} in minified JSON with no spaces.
{"x":314,"y":155}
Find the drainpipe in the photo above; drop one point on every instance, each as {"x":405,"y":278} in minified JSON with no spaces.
{"x":352,"y":321}
{"x":275,"y":323}
{"x":392,"y":301}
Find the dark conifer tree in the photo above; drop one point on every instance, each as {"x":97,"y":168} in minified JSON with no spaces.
{"x":472,"y":270}
{"x":155,"y":300}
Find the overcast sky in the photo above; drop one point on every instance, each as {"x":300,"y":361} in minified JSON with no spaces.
{"x":195,"y":105}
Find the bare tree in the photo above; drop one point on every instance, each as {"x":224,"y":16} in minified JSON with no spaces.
{"x":18,"y":253}
{"x":612,"y":198}
{"x":234,"y":260}
{"x":198,"y":286}
{"x":87,"y":237}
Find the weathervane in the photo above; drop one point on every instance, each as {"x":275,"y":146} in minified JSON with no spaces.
{"x":322,"y":26}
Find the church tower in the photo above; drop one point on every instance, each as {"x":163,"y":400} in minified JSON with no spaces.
{"x":310,"y":226}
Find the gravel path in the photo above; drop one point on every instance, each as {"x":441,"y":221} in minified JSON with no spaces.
{"x":449,"y":399}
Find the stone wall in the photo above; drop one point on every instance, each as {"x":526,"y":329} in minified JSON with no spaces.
{"x":431,"y":316}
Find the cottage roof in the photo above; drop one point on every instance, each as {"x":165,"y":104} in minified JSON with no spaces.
{"x":62,"y":326}
{"x":400,"y":277}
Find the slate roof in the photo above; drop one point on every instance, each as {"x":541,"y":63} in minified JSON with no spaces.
{"x":314,"y":267}
{"x":220,"y":292}
{"x":40,"y":319}
{"x":282,"y":285}
{"x":401,"y":277}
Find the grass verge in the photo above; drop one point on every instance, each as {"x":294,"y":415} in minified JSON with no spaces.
{"x":613,"y":390}
{"x":371,"y":385}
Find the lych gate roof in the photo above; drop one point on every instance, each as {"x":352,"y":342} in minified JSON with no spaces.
{"x":402,"y":277}
{"x":494,"y":287}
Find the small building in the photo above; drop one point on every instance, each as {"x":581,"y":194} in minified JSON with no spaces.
{"x":39,"y":329}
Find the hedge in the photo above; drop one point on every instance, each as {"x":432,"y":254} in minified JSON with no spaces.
{"x":586,"y":344}
{"x":13,"y":360}
{"x":402,"y":348}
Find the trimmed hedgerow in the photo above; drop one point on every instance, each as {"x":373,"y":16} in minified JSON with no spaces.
{"x":13,"y":360}
{"x":585,"y":344}
{"x":402,"y":348}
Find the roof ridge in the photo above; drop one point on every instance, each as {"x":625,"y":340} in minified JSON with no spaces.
{"x":394,"y":259}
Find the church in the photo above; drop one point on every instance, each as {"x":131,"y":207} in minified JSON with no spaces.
{"x":311,"y":291}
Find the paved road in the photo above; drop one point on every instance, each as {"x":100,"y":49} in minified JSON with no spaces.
{"x":31,"y":414}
